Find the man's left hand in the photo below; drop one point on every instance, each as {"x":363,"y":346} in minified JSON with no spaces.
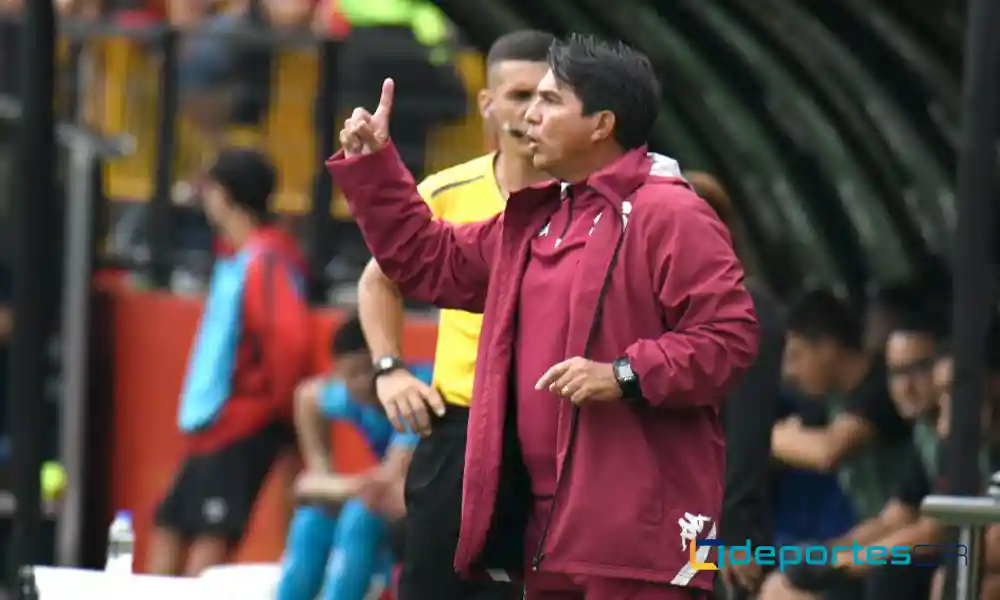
{"x":581,"y":381}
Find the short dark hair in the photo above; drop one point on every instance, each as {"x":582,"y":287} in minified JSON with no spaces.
{"x":926,"y":320}
{"x":348,"y":338}
{"x":248,"y":175}
{"x":529,"y":45}
{"x":820,"y":314}
{"x":610,"y":76}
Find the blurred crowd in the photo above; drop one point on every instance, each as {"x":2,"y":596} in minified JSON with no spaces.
{"x":862,"y":436}
{"x":248,"y":74}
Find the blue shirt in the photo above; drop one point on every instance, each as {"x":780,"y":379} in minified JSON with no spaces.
{"x":336,"y":404}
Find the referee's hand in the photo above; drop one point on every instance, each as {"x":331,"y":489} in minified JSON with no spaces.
{"x":363,"y":132}
{"x":407,"y":399}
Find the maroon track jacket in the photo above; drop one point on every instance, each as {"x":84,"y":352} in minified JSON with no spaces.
{"x":659,"y":282}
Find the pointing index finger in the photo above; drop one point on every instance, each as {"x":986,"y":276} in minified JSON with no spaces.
{"x":385,"y":101}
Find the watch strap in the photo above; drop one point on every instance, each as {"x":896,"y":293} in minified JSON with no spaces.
{"x":387,"y":364}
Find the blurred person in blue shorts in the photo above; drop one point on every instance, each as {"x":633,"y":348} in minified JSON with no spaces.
{"x":339,"y":552}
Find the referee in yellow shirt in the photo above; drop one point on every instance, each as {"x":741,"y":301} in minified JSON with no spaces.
{"x":473,"y":191}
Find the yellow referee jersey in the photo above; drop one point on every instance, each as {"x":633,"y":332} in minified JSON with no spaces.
{"x":464,"y":193}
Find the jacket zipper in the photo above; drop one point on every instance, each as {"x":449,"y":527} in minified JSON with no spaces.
{"x":569,"y":216}
{"x":539,"y":557}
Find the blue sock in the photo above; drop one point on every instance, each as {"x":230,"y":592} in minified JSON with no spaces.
{"x":357,"y":549}
{"x":310,"y":538}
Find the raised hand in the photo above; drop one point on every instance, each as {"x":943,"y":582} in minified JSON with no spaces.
{"x":363,"y":132}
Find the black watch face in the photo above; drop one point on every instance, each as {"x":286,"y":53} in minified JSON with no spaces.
{"x":624,"y":372}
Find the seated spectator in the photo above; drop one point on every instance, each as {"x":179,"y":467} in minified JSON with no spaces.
{"x":807,"y":505}
{"x":864,"y":436}
{"x":353,"y":546}
{"x":910,"y":354}
{"x":824,"y":360}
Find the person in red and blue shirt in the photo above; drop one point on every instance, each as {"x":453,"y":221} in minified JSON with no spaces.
{"x":250,"y":351}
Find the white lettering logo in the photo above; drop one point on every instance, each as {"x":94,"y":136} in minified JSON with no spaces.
{"x":596,"y":221}
{"x":545,"y":231}
{"x":691,"y":526}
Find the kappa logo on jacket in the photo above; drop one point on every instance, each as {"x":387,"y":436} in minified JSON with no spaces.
{"x":691,"y":527}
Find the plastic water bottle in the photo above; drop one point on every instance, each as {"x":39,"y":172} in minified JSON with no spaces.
{"x":121,"y":544}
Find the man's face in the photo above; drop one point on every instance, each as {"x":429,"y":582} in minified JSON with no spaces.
{"x":558,"y":131}
{"x":216,"y":202}
{"x":512,"y":85}
{"x":909,"y":357}
{"x":356,"y":371}
{"x":809,"y":365}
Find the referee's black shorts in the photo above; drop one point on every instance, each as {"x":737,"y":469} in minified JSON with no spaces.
{"x":433,"y":518}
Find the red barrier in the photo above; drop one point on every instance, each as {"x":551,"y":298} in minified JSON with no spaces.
{"x":152,"y":336}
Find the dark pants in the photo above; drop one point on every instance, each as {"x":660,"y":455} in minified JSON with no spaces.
{"x":433,"y":519}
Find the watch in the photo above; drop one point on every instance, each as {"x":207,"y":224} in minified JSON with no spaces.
{"x":627,"y":380}
{"x":388,"y":364}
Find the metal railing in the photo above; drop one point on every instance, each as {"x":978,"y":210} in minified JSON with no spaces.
{"x":972,"y":515}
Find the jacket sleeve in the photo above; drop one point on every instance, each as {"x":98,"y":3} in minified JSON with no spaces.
{"x":712,"y":330}
{"x":277,"y":309}
{"x":431,"y":261}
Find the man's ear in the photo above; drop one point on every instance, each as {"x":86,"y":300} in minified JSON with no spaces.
{"x":604,"y":125}
{"x":485,"y":100}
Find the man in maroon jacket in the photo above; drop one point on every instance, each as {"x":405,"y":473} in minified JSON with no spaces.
{"x":615,"y":323}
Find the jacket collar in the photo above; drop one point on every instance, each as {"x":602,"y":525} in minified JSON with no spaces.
{"x":616,"y":181}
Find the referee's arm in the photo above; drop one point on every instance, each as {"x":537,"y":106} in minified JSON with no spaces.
{"x":380,"y":303}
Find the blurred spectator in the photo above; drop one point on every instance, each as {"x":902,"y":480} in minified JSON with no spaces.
{"x":80,"y":9}
{"x":383,"y":43}
{"x":807,"y":505}
{"x":207,"y":64}
{"x":393,"y":38}
{"x":358,"y":535}
{"x":824,"y":359}
{"x":251,"y":350}
{"x":929,"y":292}
{"x":911,"y":351}
{"x":863,"y":437}
{"x":748,"y":416}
